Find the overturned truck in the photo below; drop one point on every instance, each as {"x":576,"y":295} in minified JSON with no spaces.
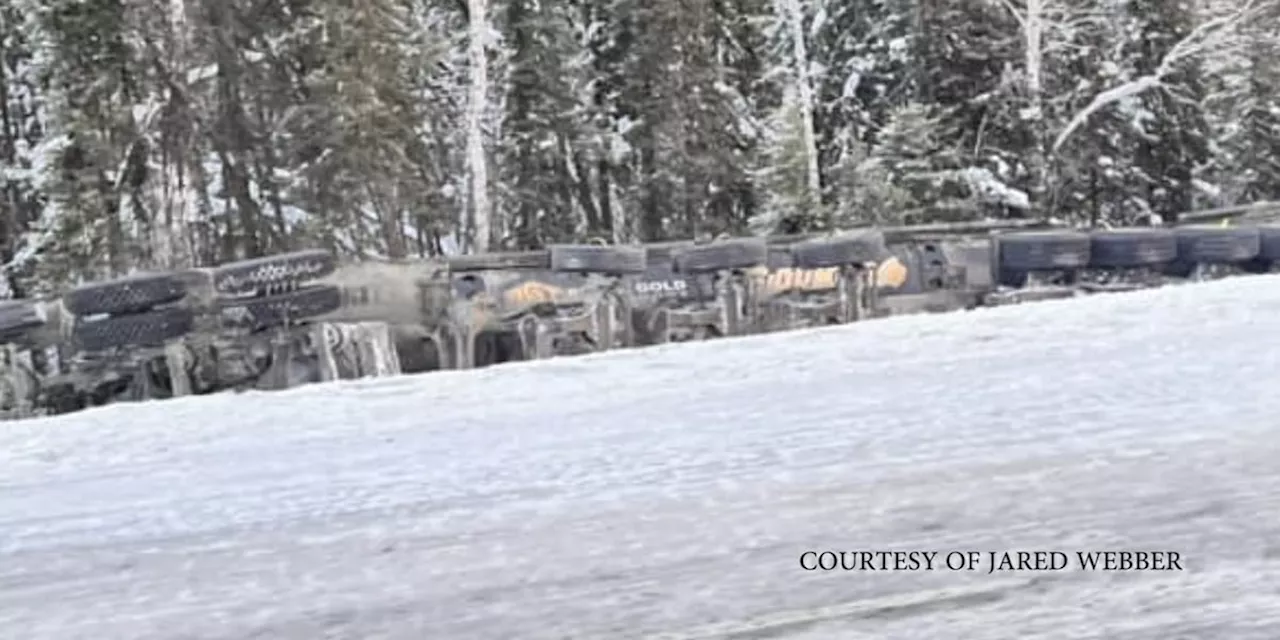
{"x":290,"y":319}
{"x":242,"y":325}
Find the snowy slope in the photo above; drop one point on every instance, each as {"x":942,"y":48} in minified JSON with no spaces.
{"x":672,"y":490}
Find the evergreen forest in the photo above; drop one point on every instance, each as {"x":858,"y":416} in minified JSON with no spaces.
{"x":151,"y":134}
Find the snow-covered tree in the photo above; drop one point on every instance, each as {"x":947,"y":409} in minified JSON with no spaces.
{"x":21,"y":133}
{"x":1160,"y":24}
{"x":481,"y":209}
{"x":162,"y":133}
{"x":799,"y":104}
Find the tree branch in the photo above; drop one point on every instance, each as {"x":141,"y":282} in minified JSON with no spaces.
{"x":1206,"y":37}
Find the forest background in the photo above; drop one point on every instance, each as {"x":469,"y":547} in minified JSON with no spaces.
{"x":145,"y":134}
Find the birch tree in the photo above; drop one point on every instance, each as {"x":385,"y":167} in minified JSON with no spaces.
{"x":1046,"y":27}
{"x":791,"y":166}
{"x":481,"y":209}
{"x":794,"y":15}
{"x":178,"y":198}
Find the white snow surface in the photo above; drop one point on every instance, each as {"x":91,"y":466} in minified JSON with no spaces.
{"x":669,"y":492}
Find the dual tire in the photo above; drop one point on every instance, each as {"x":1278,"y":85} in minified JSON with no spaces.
{"x":147,"y":310}
{"x":1171,"y":249}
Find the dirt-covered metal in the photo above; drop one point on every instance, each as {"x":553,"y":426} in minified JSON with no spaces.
{"x":269,"y":272}
{"x":576,"y":304}
{"x":826,"y":281}
{"x":697,"y":291}
{"x":280,"y":321}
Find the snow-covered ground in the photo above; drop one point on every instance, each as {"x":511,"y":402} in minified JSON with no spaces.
{"x":670,"y":492}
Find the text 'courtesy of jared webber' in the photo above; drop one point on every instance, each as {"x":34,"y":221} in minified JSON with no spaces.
{"x":990,"y":561}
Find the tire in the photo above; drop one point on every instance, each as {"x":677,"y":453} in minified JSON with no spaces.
{"x":63,"y":398}
{"x":584,"y":258}
{"x":722,"y":256}
{"x":1217,"y":245}
{"x":146,"y":329}
{"x":855,"y":248}
{"x":1269,"y":243}
{"x":1127,"y":248}
{"x":19,"y":316}
{"x":281,"y":309}
{"x":1043,"y":250}
{"x":780,"y":258}
{"x":254,"y":276}
{"x":662,"y":257}
{"x":131,"y":294}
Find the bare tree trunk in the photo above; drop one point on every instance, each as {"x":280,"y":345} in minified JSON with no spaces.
{"x":390,"y":223}
{"x":477,"y":167}
{"x":231,"y":136}
{"x":109,"y":200}
{"x":1033,"y":26}
{"x":173,"y":241}
{"x":794,"y":12}
{"x":10,"y":225}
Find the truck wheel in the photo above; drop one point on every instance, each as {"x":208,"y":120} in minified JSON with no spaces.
{"x":146,"y":329}
{"x":855,"y":248}
{"x":1268,"y":250}
{"x":780,"y":258}
{"x":17,"y":317}
{"x":281,"y":309}
{"x":1217,"y":245}
{"x":1043,"y":250}
{"x":1269,"y":242}
{"x":585,"y":258}
{"x":62,"y":398}
{"x":722,"y":256}
{"x":1128,"y":248}
{"x":253,"y":276}
{"x":138,"y":292}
